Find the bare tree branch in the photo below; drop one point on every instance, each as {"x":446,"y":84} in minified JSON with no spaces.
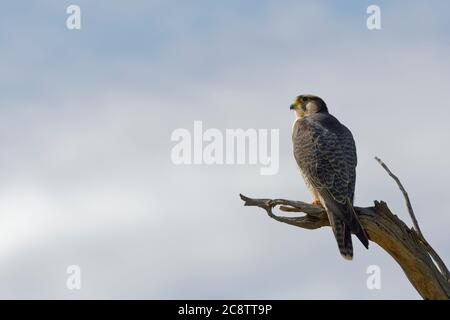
{"x":405,"y":195}
{"x":433,"y":253}
{"x":406,"y":245}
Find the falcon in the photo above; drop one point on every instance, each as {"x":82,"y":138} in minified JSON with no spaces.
{"x":325,"y":152}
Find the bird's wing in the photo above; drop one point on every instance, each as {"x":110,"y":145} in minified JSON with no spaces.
{"x":349,"y":148}
{"x":326,"y":156}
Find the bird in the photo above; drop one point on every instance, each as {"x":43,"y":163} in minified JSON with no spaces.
{"x":325,"y":152}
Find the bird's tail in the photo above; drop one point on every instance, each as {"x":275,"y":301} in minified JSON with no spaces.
{"x":344,"y":221}
{"x":343,"y":237}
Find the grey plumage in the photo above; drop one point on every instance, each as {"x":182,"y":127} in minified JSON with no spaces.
{"x":326,"y":155}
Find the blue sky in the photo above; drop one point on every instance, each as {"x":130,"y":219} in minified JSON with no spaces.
{"x":86,"y":118}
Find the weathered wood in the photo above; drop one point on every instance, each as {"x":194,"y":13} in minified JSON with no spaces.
{"x":405,"y":245}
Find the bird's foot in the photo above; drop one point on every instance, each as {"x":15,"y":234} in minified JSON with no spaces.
{"x":316,"y":202}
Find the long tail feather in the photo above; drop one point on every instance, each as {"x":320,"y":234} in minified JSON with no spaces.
{"x":356,"y":227}
{"x":344,"y":221}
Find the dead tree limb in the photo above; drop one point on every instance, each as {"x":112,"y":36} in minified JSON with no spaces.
{"x":421,"y":264}
{"x":433,"y":254}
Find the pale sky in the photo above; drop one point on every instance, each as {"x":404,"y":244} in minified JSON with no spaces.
{"x":86,"y":118}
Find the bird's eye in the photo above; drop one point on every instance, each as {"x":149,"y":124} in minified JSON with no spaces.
{"x":305,"y":98}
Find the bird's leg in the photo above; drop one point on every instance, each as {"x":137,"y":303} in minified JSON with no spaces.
{"x":316,"y":198}
{"x":313,"y":191}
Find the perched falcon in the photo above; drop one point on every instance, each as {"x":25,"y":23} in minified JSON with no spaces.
{"x":326,"y":155}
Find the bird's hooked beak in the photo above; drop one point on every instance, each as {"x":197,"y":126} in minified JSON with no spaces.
{"x":292,"y":107}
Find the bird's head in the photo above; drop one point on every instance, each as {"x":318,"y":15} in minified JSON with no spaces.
{"x":308,"y":104}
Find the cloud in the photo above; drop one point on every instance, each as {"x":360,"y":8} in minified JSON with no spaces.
{"x":86,"y":172}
